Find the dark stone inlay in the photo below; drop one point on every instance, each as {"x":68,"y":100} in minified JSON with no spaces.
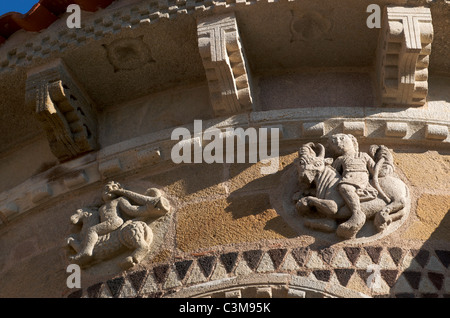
{"x":301,"y":255}
{"x":182,"y":268}
{"x":253,"y":258}
{"x":303,"y":273}
{"x":374,"y":252}
{"x":444,"y":257}
{"x":277,"y":256}
{"x":396,"y":254}
{"x":326,"y":254}
{"x":421,"y":256}
{"x":115,"y":285}
{"x":413,"y":278}
{"x":352,"y":253}
{"x":429,"y":295}
{"x":206,"y":264}
{"x":137,"y":279}
{"x":343,"y":275}
{"x":389,"y":276}
{"x":229,"y":261}
{"x":364,"y":274}
{"x":322,"y":274}
{"x":161,"y":273}
{"x":94,"y":290}
{"x":404,"y":295}
{"x":381,"y":296}
{"x":76,"y":294}
{"x":437,"y":279}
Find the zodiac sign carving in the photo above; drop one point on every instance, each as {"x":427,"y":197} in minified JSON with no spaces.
{"x":343,"y":193}
{"x":106,"y":231}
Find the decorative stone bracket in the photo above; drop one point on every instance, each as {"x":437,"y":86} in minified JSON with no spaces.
{"x":403,"y":55}
{"x":225,"y":64}
{"x":64,"y":110}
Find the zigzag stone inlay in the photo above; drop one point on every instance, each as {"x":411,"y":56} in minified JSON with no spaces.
{"x":402,"y":272}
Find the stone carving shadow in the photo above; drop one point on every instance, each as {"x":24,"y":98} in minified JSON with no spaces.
{"x":427,"y":273}
{"x":253,"y":198}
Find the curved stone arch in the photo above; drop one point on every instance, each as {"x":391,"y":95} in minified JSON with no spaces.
{"x":273,"y":285}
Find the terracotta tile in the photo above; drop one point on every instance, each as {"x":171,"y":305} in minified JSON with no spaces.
{"x":42,"y":15}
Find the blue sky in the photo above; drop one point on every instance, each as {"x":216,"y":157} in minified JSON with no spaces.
{"x":21,"y":6}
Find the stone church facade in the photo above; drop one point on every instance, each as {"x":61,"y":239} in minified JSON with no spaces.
{"x":113,"y":152}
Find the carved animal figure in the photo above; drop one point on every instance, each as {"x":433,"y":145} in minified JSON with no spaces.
{"x":316,"y":170}
{"x":133,"y":235}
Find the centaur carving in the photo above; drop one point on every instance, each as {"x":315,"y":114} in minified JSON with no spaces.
{"x":342,"y":194}
{"x":119,"y":224}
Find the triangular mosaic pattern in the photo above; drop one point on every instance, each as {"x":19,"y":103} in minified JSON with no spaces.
{"x":372,"y":270}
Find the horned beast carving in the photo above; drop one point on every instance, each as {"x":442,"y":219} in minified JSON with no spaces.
{"x":121,"y":223}
{"x":342,"y":194}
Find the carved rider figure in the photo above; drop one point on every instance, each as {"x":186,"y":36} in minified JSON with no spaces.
{"x":355,"y":168}
{"x":341,"y":195}
{"x":117,"y":200}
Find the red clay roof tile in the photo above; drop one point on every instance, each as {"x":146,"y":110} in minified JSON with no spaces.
{"x":42,"y":15}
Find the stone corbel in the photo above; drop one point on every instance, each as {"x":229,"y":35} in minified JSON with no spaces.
{"x":403,"y":55}
{"x":225,"y":65}
{"x":63,"y":108}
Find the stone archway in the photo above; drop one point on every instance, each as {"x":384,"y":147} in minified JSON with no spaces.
{"x":272,"y":285}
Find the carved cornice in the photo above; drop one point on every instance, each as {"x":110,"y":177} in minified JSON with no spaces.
{"x":65,"y":111}
{"x":403,"y":55}
{"x":225,"y":64}
{"x":113,"y":20}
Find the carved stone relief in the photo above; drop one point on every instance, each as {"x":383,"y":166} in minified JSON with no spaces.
{"x":225,"y":64}
{"x":350,"y":195}
{"x":310,"y":25}
{"x":64,"y":109}
{"x":128,"y":53}
{"x":403,"y":55}
{"x":120,"y":224}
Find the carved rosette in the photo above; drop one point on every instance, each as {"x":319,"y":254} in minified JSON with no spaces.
{"x":225,"y":64}
{"x":403,"y":55}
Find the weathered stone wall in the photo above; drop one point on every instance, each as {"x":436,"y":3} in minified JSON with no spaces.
{"x":223,"y":225}
{"x":231,"y":231}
